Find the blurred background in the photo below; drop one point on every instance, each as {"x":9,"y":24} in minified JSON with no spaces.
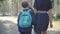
{"x":9,"y":10}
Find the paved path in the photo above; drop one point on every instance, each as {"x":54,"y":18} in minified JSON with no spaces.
{"x":8,"y":26}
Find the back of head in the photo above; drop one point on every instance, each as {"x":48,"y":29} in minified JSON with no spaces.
{"x":25,"y":4}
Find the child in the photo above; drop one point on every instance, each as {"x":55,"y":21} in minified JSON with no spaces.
{"x":25,"y":30}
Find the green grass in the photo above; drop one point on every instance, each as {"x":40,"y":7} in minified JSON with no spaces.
{"x":56,"y":21}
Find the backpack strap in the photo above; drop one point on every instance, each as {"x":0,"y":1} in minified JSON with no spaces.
{"x":29,"y":10}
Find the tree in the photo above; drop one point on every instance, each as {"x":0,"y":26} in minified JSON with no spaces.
{"x":1,"y":0}
{"x":2,"y":6}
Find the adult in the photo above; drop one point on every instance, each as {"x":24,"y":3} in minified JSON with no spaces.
{"x":43,"y":11}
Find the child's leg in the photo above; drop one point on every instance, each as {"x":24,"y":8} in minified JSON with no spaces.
{"x":22,"y":32}
{"x":28,"y":32}
{"x":38,"y":32}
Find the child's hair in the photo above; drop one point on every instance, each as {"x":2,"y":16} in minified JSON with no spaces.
{"x":25,"y":4}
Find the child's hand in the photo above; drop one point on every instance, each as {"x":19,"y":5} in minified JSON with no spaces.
{"x":35,"y":11}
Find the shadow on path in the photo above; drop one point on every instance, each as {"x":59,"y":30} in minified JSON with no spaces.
{"x":8,"y":27}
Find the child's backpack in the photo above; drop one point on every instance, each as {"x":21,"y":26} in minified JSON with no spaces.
{"x":25,"y":19}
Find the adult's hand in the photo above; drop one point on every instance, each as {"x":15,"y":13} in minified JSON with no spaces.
{"x":50,"y":18}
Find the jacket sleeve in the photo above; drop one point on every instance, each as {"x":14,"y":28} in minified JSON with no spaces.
{"x":18,"y":21}
{"x":33,"y":17}
{"x":18,"y":18}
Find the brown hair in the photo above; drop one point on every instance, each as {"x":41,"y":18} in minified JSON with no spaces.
{"x":25,"y":4}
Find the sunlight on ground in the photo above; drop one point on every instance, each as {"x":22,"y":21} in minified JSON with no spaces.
{"x":13,"y":19}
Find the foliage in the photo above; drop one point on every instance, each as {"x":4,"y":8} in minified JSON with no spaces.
{"x":1,"y":0}
{"x":0,"y":5}
{"x":56,"y":16}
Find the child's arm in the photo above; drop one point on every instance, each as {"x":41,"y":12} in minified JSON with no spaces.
{"x":18,"y":18}
{"x":35,"y":7}
{"x":33,"y":17}
{"x":18,"y":21}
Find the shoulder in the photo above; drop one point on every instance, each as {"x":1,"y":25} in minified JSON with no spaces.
{"x":20,"y":12}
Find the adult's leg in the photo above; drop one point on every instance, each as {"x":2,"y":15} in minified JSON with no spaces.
{"x":38,"y":32}
{"x":44,"y":32}
{"x":22,"y":32}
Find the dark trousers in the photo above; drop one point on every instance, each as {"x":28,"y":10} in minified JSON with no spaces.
{"x":25,"y":32}
{"x":37,"y":32}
